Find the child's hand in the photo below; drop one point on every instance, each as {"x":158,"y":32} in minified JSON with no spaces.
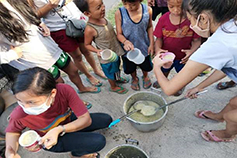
{"x":151,"y":50}
{"x":158,"y":62}
{"x":188,"y":54}
{"x":99,"y":52}
{"x":128,"y":45}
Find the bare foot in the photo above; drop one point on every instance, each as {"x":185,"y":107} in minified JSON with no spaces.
{"x":100,"y":73}
{"x":94,"y":81}
{"x":90,"y":89}
{"x":218,"y":135}
{"x":209,"y":115}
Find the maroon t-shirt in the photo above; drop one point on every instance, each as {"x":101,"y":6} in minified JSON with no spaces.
{"x":65,"y":102}
{"x":175,"y":37}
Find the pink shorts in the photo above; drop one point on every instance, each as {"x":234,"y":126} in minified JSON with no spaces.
{"x":66,"y":43}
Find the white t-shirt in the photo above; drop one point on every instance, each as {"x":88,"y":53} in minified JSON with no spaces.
{"x":38,"y":51}
{"x":53,"y":20}
{"x":220,"y":50}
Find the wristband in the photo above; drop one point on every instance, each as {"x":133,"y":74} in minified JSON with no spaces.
{"x":64,"y":131}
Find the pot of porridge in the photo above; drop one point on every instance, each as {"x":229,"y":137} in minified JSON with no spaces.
{"x":138,"y":120}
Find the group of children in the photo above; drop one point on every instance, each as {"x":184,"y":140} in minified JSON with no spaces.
{"x":134,"y":30}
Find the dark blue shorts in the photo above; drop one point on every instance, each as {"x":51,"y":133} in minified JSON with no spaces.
{"x":111,"y":70}
{"x":130,"y":67}
{"x":176,"y":64}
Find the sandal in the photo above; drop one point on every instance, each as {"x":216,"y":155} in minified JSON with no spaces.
{"x":156,"y":85}
{"x":98,"y":84}
{"x":98,"y":90}
{"x":121,"y":90}
{"x":225,"y":85}
{"x":201,"y":114}
{"x":209,"y":136}
{"x":146,"y":84}
{"x":135,"y":85}
{"x":87,"y":104}
{"x":123,"y":80}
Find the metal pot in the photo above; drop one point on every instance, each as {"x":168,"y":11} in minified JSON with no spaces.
{"x":126,"y":151}
{"x":150,"y":96}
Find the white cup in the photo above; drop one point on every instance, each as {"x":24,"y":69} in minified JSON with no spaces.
{"x":30,"y":141}
{"x":136,"y":56}
{"x":168,"y":56}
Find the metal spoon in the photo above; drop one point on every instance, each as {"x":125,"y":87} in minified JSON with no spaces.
{"x":151,"y":110}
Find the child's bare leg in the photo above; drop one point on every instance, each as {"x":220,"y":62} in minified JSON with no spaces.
{"x":77,"y":57}
{"x":135,"y":81}
{"x":72,"y":72}
{"x":90,"y":59}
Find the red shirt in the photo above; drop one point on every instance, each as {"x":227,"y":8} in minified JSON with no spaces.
{"x":66,"y":100}
{"x":175,"y":37}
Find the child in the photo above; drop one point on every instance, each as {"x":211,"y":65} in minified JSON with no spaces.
{"x":134,"y":30}
{"x":52,"y":110}
{"x":100,"y":31}
{"x":174,"y":35}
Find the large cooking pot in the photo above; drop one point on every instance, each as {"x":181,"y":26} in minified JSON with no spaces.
{"x":150,"y":96}
{"x":126,"y":151}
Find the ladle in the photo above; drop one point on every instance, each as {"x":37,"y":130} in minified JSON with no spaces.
{"x":151,"y":110}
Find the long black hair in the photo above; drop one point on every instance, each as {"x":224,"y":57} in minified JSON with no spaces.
{"x":13,"y":28}
{"x":222,"y":10}
{"x":37,"y":80}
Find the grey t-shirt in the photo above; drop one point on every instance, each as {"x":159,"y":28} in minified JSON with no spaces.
{"x":220,"y":50}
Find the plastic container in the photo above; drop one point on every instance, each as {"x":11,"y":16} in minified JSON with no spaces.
{"x":136,"y":56}
{"x":108,"y":55}
{"x":168,"y":56}
{"x":30,"y":141}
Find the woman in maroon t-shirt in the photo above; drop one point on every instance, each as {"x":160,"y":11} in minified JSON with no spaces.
{"x":56,"y":113}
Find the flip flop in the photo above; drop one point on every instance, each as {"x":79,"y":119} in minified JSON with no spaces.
{"x":98,"y":91}
{"x":156,"y":85}
{"x":123,"y":80}
{"x":225,"y":85}
{"x":135,"y":85}
{"x":119,"y":91}
{"x":201,"y":114}
{"x":96,"y":85}
{"x":213,"y":137}
{"x":87,"y":104}
{"x":146,"y":84}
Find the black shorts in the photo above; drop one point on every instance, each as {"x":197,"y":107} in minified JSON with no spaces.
{"x":157,"y":10}
{"x":130,"y":67}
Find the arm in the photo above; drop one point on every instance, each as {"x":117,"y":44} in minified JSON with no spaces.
{"x":51,"y":137}
{"x":195,"y":45}
{"x":150,"y":33}
{"x":185,"y":76}
{"x":215,"y":76}
{"x":89,"y":35}
{"x":44,"y":10}
{"x":127,"y":44}
{"x":12,"y":145}
{"x":158,"y":46}
{"x":13,"y":54}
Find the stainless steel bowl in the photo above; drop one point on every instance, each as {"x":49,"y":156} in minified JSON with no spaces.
{"x":126,"y":151}
{"x":150,"y":96}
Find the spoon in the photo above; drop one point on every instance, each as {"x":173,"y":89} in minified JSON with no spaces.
{"x":151,"y":110}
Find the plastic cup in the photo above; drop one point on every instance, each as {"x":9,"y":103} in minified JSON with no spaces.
{"x":108,"y":55}
{"x":168,"y":56}
{"x":30,"y":141}
{"x":136,"y":56}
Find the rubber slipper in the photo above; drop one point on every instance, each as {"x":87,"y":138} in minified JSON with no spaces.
{"x":201,"y":114}
{"x":213,"y":137}
{"x":146,"y":84}
{"x":119,"y":91}
{"x":225,"y":85}
{"x":136,"y":85}
{"x":93,"y":84}
{"x":156,"y":85}
{"x":123,"y":80}
{"x":97,"y":91}
{"x":87,"y":104}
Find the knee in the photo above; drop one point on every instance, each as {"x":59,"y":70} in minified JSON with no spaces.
{"x":233,"y":103}
{"x":100,"y":141}
{"x":76,"y":56}
{"x":230,"y":116}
